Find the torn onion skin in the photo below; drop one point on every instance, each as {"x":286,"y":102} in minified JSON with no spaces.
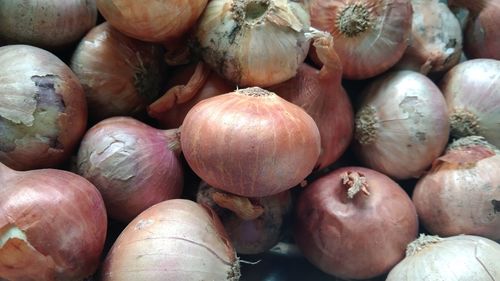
{"x":52,"y":225}
{"x":43,"y":112}
{"x":346,"y":219}
{"x":176,"y":239}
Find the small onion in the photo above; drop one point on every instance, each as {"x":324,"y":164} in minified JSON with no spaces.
{"x":254,"y":42}
{"x":43,"y":113}
{"x":173,"y":240}
{"x":354,"y":223}
{"x":463,"y":257}
{"x":370,"y":36}
{"x":133,"y":165}
{"x":461,"y":194}
{"x":52,"y":225}
{"x":46,"y":23}
{"x":401,"y":124}
{"x":250,"y":142}
{"x":472,"y":93}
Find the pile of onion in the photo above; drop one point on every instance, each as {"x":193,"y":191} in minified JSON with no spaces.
{"x":43,"y":112}
{"x":52,"y":225}
{"x":354,"y":223}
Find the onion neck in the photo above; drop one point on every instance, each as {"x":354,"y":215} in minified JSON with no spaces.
{"x":172,"y":139}
{"x":255,"y":92}
{"x":471,"y":141}
{"x":241,"y":206}
{"x":366,"y":123}
{"x":463,"y":123}
{"x":355,"y":182}
{"x":353,"y":19}
{"x":421,"y":243}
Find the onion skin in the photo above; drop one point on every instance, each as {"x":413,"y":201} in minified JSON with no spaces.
{"x":401,"y":124}
{"x":63,"y":218}
{"x":250,"y":142}
{"x":473,"y":99}
{"x":346,"y":237}
{"x":43,"y":109}
{"x":174,"y":240}
{"x":133,"y":165}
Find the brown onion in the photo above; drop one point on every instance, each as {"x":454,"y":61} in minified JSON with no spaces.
{"x":370,"y":36}
{"x":43,"y":113}
{"x":471,"y":90}
{"x":401,"y":124}
{"x":250,"y":142}
{"x":173,"y":240}
{"x":52,"y":225}
{"x":133,"y":165}
{"x":354,"y":223}
{"x":461,"y":194}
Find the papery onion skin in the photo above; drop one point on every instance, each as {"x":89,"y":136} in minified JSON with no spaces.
{"x":250,"y":142}
{"x":401,"y":124}
{"x":62,"y":218}
{"x":43,"y":112}
{"x":473,"y":99}
{"x":370,"y":36}
{"x":46,"y":23}
{"x":355,"y":238}
{"x":462,"y":257}
{"x":152,"y":20}
{"x":133,"y":165}
{"x":173,"y":240}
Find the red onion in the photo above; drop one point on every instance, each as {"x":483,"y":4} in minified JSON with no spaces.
{"x":42,"y":108}
{"x":461,"y":194}
{"x":354,"y":223}
{"x":401,"y":124}
{"x":370,"y":36}
{"x":250,"y":142}
{"x":473,"y":99}
{"x":173,"y":240}
{"x":52,"y":225}
{"x":133,"y":165}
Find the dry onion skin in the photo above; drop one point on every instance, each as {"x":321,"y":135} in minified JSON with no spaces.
{"x":370,"y":36}
{"x":176,"y":239}
{"x":401,"y":124}
{"x":152,"y":20}
{"x":472,"y":93}
{"x":253,"y":42}
{"x":250,"y":142}
{"x":43,"y":112}
{"x":462,"y":257}
{"x":461,"y":193}
{"x":46,"y":23}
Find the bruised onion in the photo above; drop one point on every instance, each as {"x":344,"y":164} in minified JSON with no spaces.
{"x":52,"y":225}
{"x":370,"y":36}
{"x":461,"y":193}
{"x":120,"y":75}
{"x":133,"y":165}
{"x":401,"y":125}
{"x":173,"y":240}
{"x":354,"y":223}
{"x":471,"y":90}
{"x":43,"y":113}
{"x":250,"y":142}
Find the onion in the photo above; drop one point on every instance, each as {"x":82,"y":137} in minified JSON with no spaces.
{"x":46,"y":23}
{"x":133,"y":165}
{"x":436,"y":38}
{"x":463,"y":257}
{"x":250,"y":142}
{"x":253,"y":42}
{"x":254,"y":225}
{"x":461,"y":194}
{"x":52,"y":225}
{"x":152,"y":20}
{"x":173,"y":240}
{"x":120,"y":75}
{"x":354,"y":223}
{"x":43,"y":113}
{"x":473,"y":99}
{"x":370,"y":36}
{"x":401,"y":124}
{"x":321,"y":95}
